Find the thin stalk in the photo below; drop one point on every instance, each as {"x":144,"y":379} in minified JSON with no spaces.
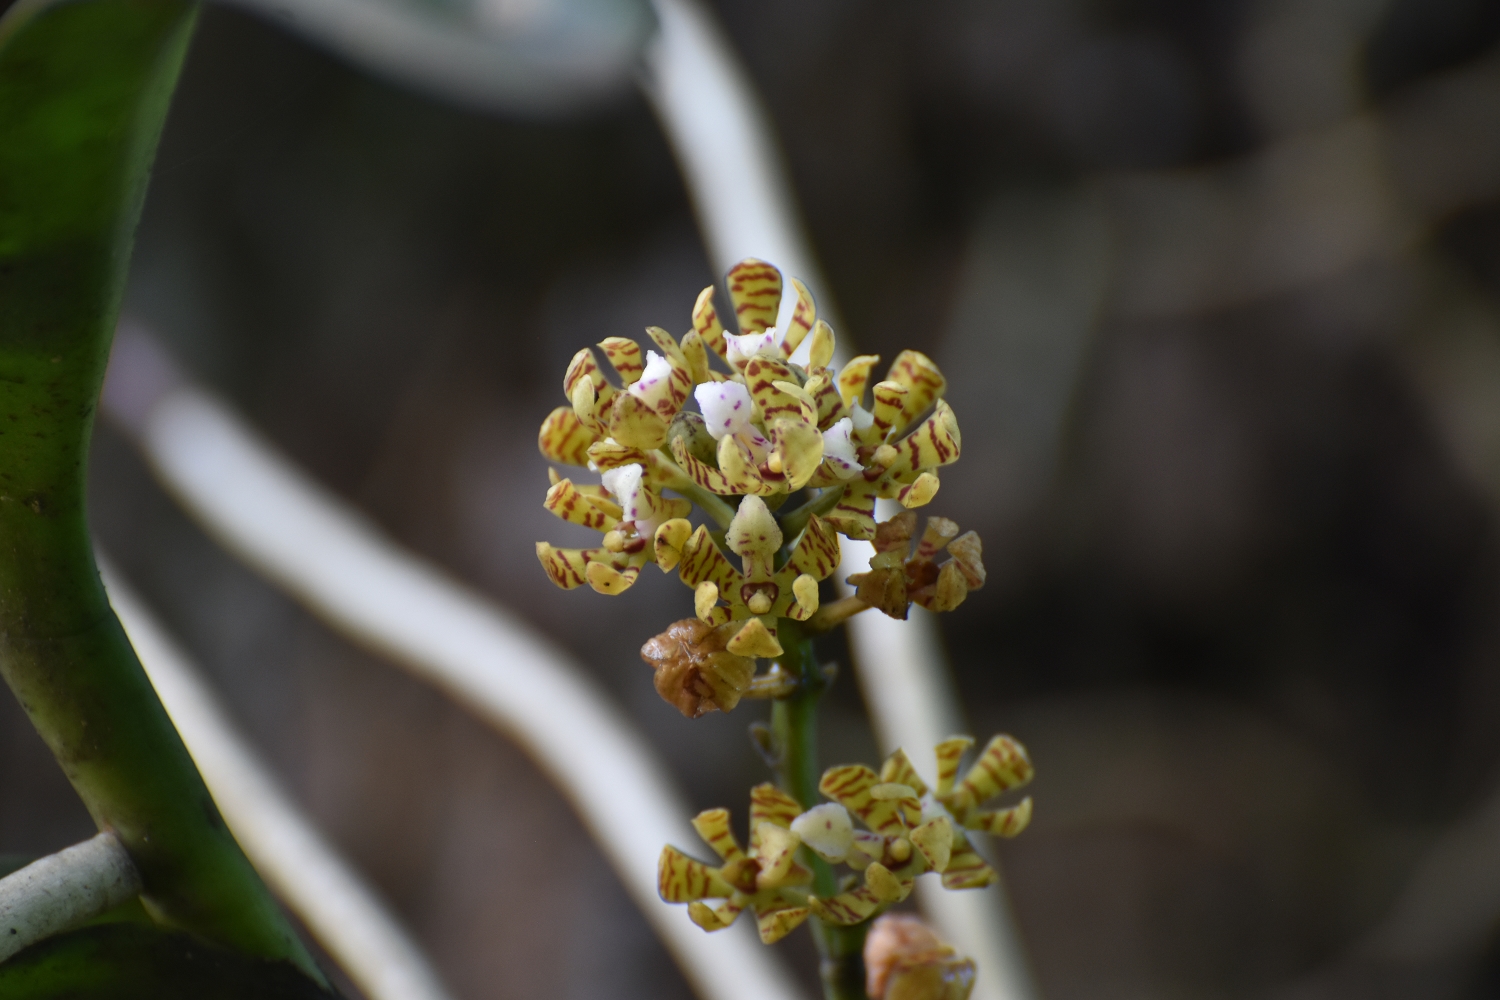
{"x":794,"y":729}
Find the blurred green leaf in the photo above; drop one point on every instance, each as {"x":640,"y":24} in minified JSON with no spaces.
{"x":128,"y":961}
{"x":84,"y":91}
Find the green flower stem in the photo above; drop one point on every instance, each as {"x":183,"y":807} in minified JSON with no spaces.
{"x":793,"y":522}
{"x":794,"y":730}
{"x":84,"y":90}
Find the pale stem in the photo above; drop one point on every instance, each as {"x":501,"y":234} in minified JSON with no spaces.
{"x":63,"y":890}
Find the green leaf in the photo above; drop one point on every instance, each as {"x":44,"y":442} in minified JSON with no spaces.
{"x":84,"y":90}
{"x":122,"y":961}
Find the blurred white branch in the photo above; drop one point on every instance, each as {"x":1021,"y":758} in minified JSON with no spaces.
{"x":342,"y":912}
{"x":731,"y":160}
{"x":64,"y":889}
{"x":531,"y":58}
{"x":327,"y":555}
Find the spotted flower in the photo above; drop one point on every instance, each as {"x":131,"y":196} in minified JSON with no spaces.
{"x":907,"y":831}
{"x":766,"y":880}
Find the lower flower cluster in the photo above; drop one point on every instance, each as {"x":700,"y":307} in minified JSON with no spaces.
{"x":906,"y":830}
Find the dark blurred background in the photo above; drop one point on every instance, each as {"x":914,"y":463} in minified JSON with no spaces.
{"x":1217,"y":288}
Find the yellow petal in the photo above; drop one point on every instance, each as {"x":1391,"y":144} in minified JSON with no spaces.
{"x":702,"y":473}
{"x":568,"y":568}
{"x":695,"y":354}
{"x":706,"y":323}
{"x":702,"y":560}
{"x":816,"y":553}
{"x":671,"y":536}
{"x":636,"y":425}
{"x":739,"y":470}
{"x":755,"y":290}
{"x":610,"y":581}
{"x":886,"y":886}
{"x":904,"y":796}
{"x":776,"y":850}
{"x":922,"y":379}
{"x":966,"y":869}
{"x":949,"y":753}
{"x":713,"y":826}
{"x":824,"y":392}
{"x":705,"y":597}
{"x":681,"y":879}
{"x":854,"y":514}
{"x":1002,"y":766}
{"x":777,"y":924}
{"x":715,"y":918}
{"x":610,"y":454}
{"x":936,"y":442}
{"x":667,"y":344}
{"x":625,"y":355}
{"x":821,"y":351}
{"x":898,"y":768}
{"x":804,"y":314}
{"x":1003,"y":822}
{"x":566,"y":501}
{"x":800,"y":447}
{"x":890,"y":398}
{"x":850,"y":787}
{"x":855,"y":376}
{"x":563,"y":437}
{"x":769,"y":804}
{"x":771,"y":401}
{"x":950,"y":590}
{"x":918,"y":493}
{"x":805,"y":591}
{"x":934,"y":839}
{"x":584,"y":368}
{"x":585,"y":400}
{"x":755,"y":640}
{"x":968,"y":553}
{"x":847,"y":908}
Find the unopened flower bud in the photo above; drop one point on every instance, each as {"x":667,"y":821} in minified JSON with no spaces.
{"x":905,"y":960}
{"x":694,"y":671}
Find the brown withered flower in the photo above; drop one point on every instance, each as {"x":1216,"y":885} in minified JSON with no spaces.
{"x":896,"y":580}
{"x":905,"y":960}
{"x":694,"y":671}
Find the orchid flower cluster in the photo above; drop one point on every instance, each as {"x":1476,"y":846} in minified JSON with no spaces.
{"x":908,"y":831}
{"x":784,"y":453}
{"x":781,"y":421}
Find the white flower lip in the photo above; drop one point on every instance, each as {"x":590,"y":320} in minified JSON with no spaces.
{"x":746,"y":346}
{"x":625,"y":483}
{"x":654,"y":377}
{"x":839,"y":451}
{"x":726,"y":407}
{"x":827,"y":829}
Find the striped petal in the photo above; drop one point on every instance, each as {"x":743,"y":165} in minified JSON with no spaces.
{"x":713,"y":826}
{"x":563,"y":437}
{"x":681,"y":879}
{"x":850,"y":786}
{"x":966,"y":869}
{"x":923,"y":381}
{"x":1003,"y":822}
{"x":702,"y":560}
{"x":816,"y":552}
{"x":625,"y":355}
{"x":568,"y":568}
{"x":755,"y":290}
{"x":566,"y":501}
{"x":898,"y":768}
{"x":706,"y":323}
{"x":949,"y":753}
